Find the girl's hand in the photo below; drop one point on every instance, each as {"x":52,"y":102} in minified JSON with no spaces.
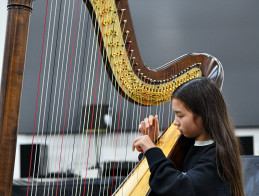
{"x":150,"y":127}
{"x":142,"y":144}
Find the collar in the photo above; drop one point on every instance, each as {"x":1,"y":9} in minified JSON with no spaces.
{"x":203,"y":143}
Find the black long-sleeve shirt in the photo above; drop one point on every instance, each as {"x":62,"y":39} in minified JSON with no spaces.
{"x":198,"y":176}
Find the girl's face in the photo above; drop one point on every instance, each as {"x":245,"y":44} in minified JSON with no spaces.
{"x":190,"y":125}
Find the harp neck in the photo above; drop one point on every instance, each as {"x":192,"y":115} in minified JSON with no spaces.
{"x":113,"y":24}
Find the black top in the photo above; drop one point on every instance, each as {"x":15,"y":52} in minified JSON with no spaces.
{"x":198,"y":175}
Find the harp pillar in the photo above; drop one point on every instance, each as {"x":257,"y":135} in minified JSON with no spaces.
{"x":11,"y":85}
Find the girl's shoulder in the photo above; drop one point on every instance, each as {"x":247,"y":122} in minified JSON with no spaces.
{"x":199,"y":154}
{"x":207,"y":152}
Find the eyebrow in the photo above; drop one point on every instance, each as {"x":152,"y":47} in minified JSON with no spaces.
{"x":177,"y":112}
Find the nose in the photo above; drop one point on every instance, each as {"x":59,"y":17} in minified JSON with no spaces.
{"x":176,"y":123}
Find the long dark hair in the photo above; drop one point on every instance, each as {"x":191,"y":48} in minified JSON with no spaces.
{"x":203,"y":98}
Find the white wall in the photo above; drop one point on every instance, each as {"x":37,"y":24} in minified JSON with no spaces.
{"x":106,"y":145}
{"x":3,"y":16}
{"x":107,"y":149}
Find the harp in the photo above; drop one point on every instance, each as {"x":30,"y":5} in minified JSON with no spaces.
{"x":135,"y":83}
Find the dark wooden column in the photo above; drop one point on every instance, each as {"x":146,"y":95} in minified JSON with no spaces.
{"x":11,"y":85}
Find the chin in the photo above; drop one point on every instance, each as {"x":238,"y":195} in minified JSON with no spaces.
{"x":187,"y":136}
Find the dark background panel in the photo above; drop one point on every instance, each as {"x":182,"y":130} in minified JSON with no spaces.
{"x":165,"y":30}
{"x":228,"y":30}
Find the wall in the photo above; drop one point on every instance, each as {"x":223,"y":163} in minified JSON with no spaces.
{"x":75,"y":151}
{"x":3,"y":16}
{"x":227,"y":30}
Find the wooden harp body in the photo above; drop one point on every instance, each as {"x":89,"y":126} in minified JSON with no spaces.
{"x":123,"y":63}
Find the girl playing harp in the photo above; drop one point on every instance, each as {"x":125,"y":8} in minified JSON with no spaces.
{"x":212,"y":165}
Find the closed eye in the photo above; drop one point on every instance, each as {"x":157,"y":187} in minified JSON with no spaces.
{"x":179,"y":114}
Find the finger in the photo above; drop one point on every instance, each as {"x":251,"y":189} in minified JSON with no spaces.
{"x":143,"y":124}
{"x":151,"y":117}
{"x":139,"y":149}
{"x":146,"y":122}
{"x":138,"y":145}
{"x":140,"y":128}
{"x":134,"y":142}
{"x":143,"y":127}
{"x":156,"y":119}
{"x":133,"y":146}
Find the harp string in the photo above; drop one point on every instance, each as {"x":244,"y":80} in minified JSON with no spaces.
{"x":125,"y":126}
{"x":45,"y":80}
{"x":58,"y":123}
{"x":84,"y":102}
{"x":56,"y":120}
{"x":57,"y":99}
{"x":84,"y":87}
{"x":119,"y":104}
{"x":105,"y":62}
{"x":111,"y":139}
{"x":95,"y":124}
{"x":162,"y":115}
{"x":98,"y":120}
{"x":94,"y":97}
{"x":122,"y":10}
{"x":118,"y":126}
{"x":150,"y":107}
{"x":67,"y":96}
{"x":94,"y":133}
{"x":51,"y":91}
{"x":59,"y":126}
{"x":110,"y":164}
{"x":106,"y":130}
{"x":47,"y":83}
{"x":64,"y":117}
{"x":113,"y":136}
{"x":82,"y":137}
{"x":37,"y":99}
{"x":138,"y":115}
{"x":88,"y":97}
{"x":83,"y":93}
{"x":133,"y":119}
{"x":79,"y":47}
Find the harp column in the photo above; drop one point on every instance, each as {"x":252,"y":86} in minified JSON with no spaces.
{"x":11,"y":85}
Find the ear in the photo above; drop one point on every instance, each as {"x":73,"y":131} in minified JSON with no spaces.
{"x":198,"y":120}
